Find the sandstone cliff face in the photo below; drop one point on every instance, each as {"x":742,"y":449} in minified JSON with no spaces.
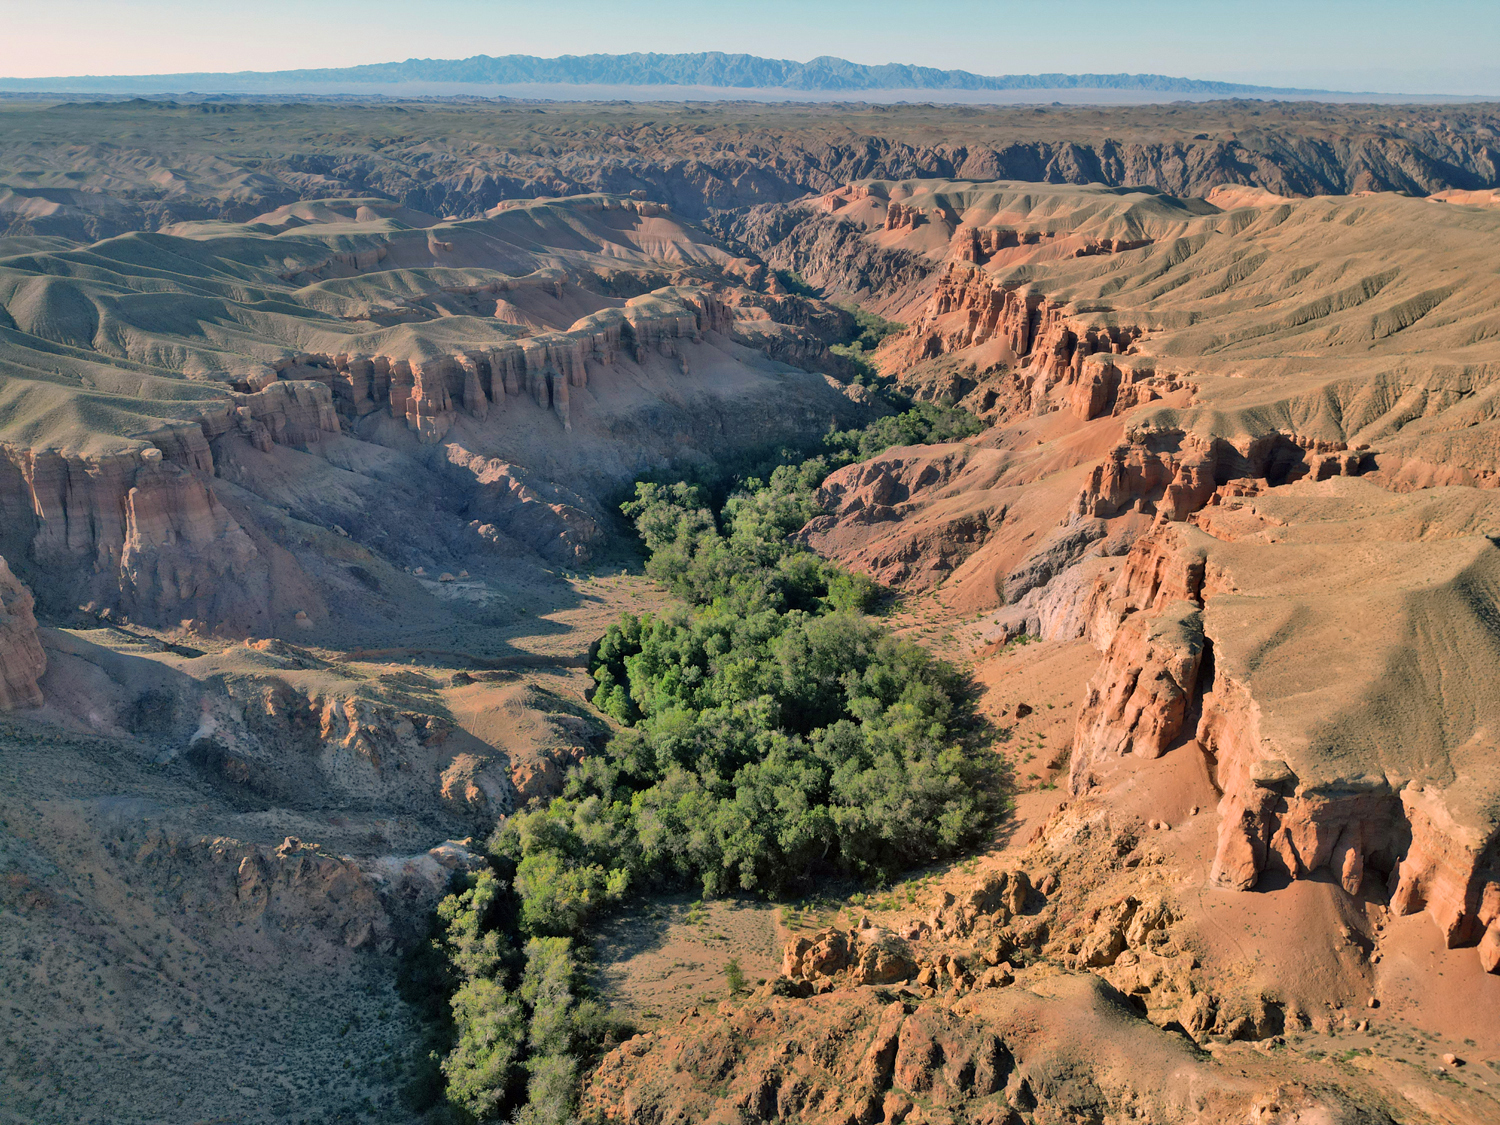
{"x":1139,"y":697}
{"x":546,"y":519}
{"x":144,"y":533}
{"x":830,"y":252}
{"x":1049,"y":356}
{"x":1291,"y":804}
{"x":22,"y":660}
{"x":1452,"y":867}
{"x":150,"y":534}
{"x":1173,"y":474}
{"x":182,"y":553}
{"x":914,"y":517}
{"x":426,"y":393}
{"x":874,"y":523}
{"x":1147,"y":618}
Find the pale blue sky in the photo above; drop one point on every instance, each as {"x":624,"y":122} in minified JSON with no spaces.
{"x":1411,"y":47}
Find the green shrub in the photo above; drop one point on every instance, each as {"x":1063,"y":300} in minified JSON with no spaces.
{"x":775,"y":734}
{"x":734,"y":977}
{"x":484,"y":1064}
{"x":926,"y":423}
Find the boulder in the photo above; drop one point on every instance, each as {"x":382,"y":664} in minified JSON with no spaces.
{"x":863,"y":956}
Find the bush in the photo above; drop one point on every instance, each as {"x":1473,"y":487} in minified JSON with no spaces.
{"x":873,"y":328}
{"x":752,"y":559}
{"x":734,"y":976}
{"x":775,"y":735}
{"x":483,"y":1065}
{"x":925,"y":423}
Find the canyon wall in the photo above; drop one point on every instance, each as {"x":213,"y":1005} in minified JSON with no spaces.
{"x":149,"y":534}
{"x":22,"y":660}
{"x":1187,"y":662}
{"x":702,"y":164}
{"x":427,"y":392}
{"x":144,"y":532}
{"x":1153,"y":555}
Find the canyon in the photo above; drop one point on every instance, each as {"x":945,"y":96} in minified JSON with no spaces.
{"x":1211,"y":547}
{"x":309,"y":487}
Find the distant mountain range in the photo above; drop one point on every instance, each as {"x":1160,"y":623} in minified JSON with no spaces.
{"x":710,"y":69}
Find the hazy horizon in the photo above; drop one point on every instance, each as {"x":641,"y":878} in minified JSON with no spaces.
{"x":1340,"y":45}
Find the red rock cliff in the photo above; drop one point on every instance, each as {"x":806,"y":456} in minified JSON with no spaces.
{"x":22,"y":660}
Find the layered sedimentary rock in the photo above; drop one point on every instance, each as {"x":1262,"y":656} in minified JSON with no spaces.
{"x":271,"y":739}
{"x":144,"y":532}
{"x":1073,"y":955}
{"x":294,"y":413}
{"x":868,"y":955}
{"x":1173,"y":473}
{"x":1139,"y":697}
{"x":269,"y":902}
{"x":1048,"y":355}
{"x":427,"y":392}
{"x":913,"y":515}
{"x":1315,"y":637}
{"x":703,"y":165}
{"x":1335,"y":613}
{"x":182,"y":552}
{"x":22,"y":660}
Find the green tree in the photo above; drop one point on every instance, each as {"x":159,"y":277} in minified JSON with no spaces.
{"x":484,"y":1065}
{"x":734,"y":976}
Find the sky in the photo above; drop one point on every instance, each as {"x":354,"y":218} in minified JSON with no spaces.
{"x":1377,"y":45}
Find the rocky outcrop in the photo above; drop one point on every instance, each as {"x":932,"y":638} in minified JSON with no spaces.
{"x":993,"y":900}
{"x":1270,"y":822}
{"x":1138,"y":699}
{"x":268,"y":738}
{"x":969,"y":307}
{"x":719,"y":164}
{"x":22,"y":660}
{"x":888,"y":515}
{"x":182,"y":553}
{"x":1431,"y":848}
{"x":140,"y":535}
{"x":1451,"y":868}
{"x":297,"y":889}
{"x":1422,"y":829}
{"x":1049,"y":356}
{"x":1172,"y":473}
{"x":544,"y":518}
{"x":145,"y":533}
{"x":542,"y":777}
{"x":260,"y":902}
{"x":868,"y":955}
{"x":297,"y":413}
{"x":827,"y":251}
{"x":1015,"y":987}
